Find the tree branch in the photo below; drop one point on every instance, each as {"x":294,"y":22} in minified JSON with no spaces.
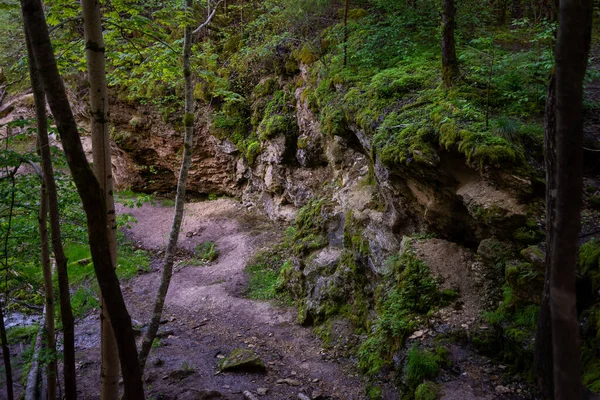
{"x":210,"y":17}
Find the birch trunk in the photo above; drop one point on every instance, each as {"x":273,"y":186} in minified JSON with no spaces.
{"x":572,"y":50}
{"x":91,"y":195}
{"x":188,"y":122}
{"x":94,"y":51}
{"x":59,"y":255}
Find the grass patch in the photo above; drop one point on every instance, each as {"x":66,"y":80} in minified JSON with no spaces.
{"x":264,"y":270}
{"x":82,"y":278}
{"x":207,"y":252}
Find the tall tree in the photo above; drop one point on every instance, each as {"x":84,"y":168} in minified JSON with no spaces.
{"x":66,"y":311}
{"x":572,"y":50}
{"x":188,"y":123}
{"x":345,"y":32}
{"x":94,"y":50}
{"x":543,"y":336}
{"x":450,"y":71}
{"x":91,"y":195}
{"x":6,"y":358}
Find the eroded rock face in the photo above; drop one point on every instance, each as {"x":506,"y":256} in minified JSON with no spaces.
{"x":149,"y":155}
{"x":371,"y":206}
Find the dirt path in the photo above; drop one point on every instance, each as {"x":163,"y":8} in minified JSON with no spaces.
{"x":208,"y":316}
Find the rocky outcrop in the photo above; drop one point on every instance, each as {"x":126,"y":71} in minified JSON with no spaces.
{"x":151,"y":154}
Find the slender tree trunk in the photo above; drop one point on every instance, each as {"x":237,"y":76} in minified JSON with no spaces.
{"x":543,"y":336}
{"x":92,"y":27}
{"x":48,"y":289}
{"x":90,"y":193}
{"x":345,"y":32}
{"x":450,"y":71}
{"x":188,"y":122}
{"x":572,"y":50}
{"x":66,"y":311}
{"x":6,"y":358}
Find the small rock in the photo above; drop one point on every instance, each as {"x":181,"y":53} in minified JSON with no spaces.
{"x":288,"y":381}
{"x":502,"y":389}
{"x":158,"y":362}
{"x":417,"y":334}
{"x":262,"y":391}
{"x":163,"y":333}
{"x":302,"y":396}
{"x":180,"y":374}
{"x":242,"y":360}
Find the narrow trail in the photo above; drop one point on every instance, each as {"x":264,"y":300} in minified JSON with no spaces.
{"x":207,"y":316}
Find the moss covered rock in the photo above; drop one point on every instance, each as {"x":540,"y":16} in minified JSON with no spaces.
{"x":242,"y":360}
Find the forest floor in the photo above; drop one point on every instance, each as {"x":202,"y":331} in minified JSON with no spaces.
{"x":207,"y":316}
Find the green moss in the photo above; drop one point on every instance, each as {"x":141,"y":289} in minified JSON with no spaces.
{"x":528,"y":235}
{"x":302,"y":143}
{"x":421,"y":365}
{"x":513,"y":328}
{"x":265,"y":88}
{"x":309,"y":233}
{"x":374,"y":393}
{"x":306,"y":55}
{"x":279,"y":117}
{"x":427,"y":391}
{"x":590,"y":349}
{"x":188,"y":120}
{"x":395,"y":82}
{"x":594,"y":202}
{"x":333,"y":121}
{"x":253,"y":149}
{"x":357,"y":13}
{"x":481,"y":148}
{"x":401,"y":144}
{"x":414,"y":295}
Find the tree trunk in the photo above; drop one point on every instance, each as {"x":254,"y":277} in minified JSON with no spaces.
{"x":94,"y":50}
{"x":543,"y":335}
{"x":6,"y":357}
{"x":572,"y":49}
{"x":48,"y":289}
{"x":345,"y":32}
{"x":188,"y":122}
{"x":450,"y":71}
{"x":90,"y":193}
{"x":66,"y":311}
